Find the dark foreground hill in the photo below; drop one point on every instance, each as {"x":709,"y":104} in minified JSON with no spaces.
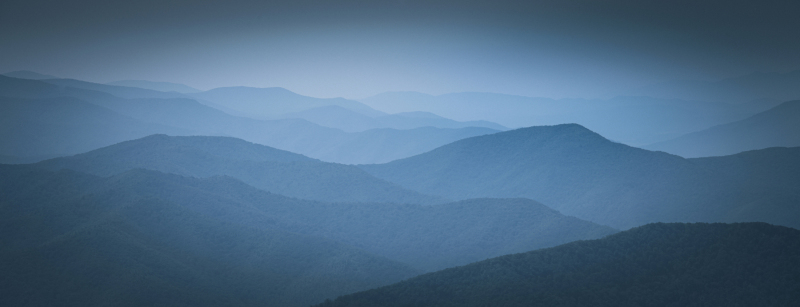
{"x":752,"y":264}
{"x":779,"y":126}
{"x":580,"y":173}
{"x":266,"y":168}
{"x":147,"y":238}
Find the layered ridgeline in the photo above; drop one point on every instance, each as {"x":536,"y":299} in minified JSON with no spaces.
{"x":352,"y":121}
{"x":148,"y":238}
{"x":779,"y":126}
{"x":275,"y":103}
{"x":157,"y":86}
{"x":182,"y":116}
{"x":634,"y":121}
{"x":752,"y":264}
{"x":263,"y":167}
{"x":267,"y":103}
{"x":582,"y":174}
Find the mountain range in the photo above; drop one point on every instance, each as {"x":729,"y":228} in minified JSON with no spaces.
{"x":266,"y":168}
{"x":633,"y":120}
{"x":580,"y":173}
{"x":157,"y":86}
{"x":350,"y":121}
{"x":154,"y":193}
{"x":184,"y":116}
{"x":146,"y":237}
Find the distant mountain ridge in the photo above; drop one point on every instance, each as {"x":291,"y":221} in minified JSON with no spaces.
{"x":351,"y":121}
{"x":776,"y":127}
{"x":267,"y":168}
{"x":270,"y":103}
{"x":654,"y":265}
{"x":184,"y":116}
{"x":157,"y":86}
{"x":27,"y":74}
{"x":580,"y":173}
{"x":632,"y":120}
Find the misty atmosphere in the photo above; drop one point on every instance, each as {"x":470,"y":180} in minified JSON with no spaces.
{"x":399,"y":153}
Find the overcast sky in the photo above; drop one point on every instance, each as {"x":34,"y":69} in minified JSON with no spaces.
{"x":354,"y":49}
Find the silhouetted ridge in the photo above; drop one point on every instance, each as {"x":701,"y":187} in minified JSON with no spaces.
{"x":749,"y":264}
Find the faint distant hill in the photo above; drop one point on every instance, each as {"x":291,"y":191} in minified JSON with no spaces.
{"x":351,"y":121}
{"x":157,"y":86}
{"x":182,"y":116}
{"x":27,"y":74}
{"x":334,"y":116}
{"x":148,"y":238}
{"x":582,"y":174}
{"x":631,"y":120}
{"x":269,"y":103}
{"x":410,"y":120}
{"x":759,"y":85}
{"x":263,"y":167}
{"x":655,"y":265}
{"x":777,"y":127}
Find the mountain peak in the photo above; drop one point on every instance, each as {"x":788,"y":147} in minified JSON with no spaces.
{"x":536,"y":136}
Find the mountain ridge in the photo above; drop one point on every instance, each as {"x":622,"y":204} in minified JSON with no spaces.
{"x":261,"y":166}
{"x":776,"y":127}
{"x":580,"y":173}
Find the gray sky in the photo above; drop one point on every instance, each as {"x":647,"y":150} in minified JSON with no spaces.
{"x":353,"y":49}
